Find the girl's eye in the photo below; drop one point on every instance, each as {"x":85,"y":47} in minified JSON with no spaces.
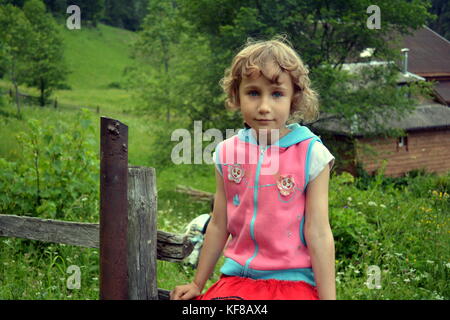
{"x":280,"y":94}
{"x":277,"y":93}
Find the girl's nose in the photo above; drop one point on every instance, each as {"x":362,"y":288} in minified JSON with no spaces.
{"x":264,"y":106}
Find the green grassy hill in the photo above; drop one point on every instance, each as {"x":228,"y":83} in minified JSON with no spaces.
{"x":97,"y":57}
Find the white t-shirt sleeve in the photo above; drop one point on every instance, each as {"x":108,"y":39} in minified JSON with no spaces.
{"x":215,"y":158}
{"x":320,"y":157}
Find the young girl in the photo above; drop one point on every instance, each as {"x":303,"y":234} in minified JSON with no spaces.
{"x":271,"y":188}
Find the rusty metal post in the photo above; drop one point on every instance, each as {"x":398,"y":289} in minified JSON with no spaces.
{"x":113,"y":209}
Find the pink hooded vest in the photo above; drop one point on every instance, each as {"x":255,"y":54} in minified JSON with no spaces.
{"x":265,"y":191}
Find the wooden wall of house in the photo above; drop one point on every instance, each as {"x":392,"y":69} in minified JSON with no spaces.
{"x":428,"y":149}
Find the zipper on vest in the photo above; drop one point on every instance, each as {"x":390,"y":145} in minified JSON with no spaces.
{"x":255,"y":209}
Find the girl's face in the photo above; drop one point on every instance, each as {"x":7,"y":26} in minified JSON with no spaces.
{"x":265,"y":105}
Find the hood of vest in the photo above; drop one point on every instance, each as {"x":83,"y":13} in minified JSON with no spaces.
{"x":297,"y":134}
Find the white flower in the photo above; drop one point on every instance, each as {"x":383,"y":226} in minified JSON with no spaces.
{"x":356,"y":271}
{"x":429,"y":261}
{"x":349,"y":199}
{"x":447,"y":265}
{"x":406,"y":280}
{"x":438,"y":296}
{"x":371,"y":203}
{"x":383,"y":206}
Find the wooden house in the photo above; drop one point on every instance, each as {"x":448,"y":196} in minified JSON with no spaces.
{"x":426,"y":145}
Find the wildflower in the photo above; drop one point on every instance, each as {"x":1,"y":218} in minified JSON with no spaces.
{"x":349,"y":199}
{"x":429,"y":261}
{"x":356,"y":271}
{"x":406,"y":280}
{"x":371,"y":203}
{"x":383,"y":206}
{"x":447,"y":265}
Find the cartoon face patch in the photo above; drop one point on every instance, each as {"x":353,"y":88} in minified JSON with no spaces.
{"x":286,"y":184}
{"x":235,"y":173}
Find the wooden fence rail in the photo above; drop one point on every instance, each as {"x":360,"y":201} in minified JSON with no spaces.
{"x":126,"y":235}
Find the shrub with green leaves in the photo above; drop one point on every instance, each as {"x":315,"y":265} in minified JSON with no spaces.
{"x":59,"y":176}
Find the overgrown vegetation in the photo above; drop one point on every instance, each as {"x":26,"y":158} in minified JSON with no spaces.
{"x":399,"y":225}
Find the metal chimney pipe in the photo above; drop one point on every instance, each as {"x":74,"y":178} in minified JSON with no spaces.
{"x":405,"y":59}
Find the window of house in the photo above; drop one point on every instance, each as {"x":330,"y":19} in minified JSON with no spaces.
{"x":402,"y":142}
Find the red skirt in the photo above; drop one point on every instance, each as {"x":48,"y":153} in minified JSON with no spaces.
{"x":240,"y":288}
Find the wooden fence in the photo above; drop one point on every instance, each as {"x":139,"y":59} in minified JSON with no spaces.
{"x":27,"y":99}
{"x":126,"y":235}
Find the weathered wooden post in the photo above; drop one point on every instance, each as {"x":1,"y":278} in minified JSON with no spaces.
{"x":142,"y":234}
{"x":113,"y":209}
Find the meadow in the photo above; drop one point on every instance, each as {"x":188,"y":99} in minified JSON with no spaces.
{"x":391,"y":235}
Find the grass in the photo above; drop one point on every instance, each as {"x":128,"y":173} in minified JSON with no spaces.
{"x":411,"y":247}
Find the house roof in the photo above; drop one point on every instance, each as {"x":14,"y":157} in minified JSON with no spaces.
{"x":443,"y":88}
{"x":426,"y":116}
{"x":429,"y":53}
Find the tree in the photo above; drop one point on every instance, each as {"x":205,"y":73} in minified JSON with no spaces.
{"x":91,"y":10}
{"x":126,"y":14}
{"x":46,"y":65}
{"x":15,"y":45}
{"x":163,"y":60}
{"x":326,"y":33}
{"x":442,"y":22}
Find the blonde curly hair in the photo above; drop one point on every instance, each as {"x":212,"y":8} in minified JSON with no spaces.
{"x":255,"y":56}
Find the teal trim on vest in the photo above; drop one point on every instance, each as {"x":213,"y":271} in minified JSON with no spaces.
{"x":302,"y":232}
{"x":233,"y":268}
{"x":297,"y":134}
{"x":255,"y":209}
{"x":236,"y":201}
{"x":308,"y":159}
{"x":307,"y":166}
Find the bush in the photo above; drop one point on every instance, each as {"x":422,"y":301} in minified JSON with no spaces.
{"x":114,"y":85}
{"x":59,"y":177}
